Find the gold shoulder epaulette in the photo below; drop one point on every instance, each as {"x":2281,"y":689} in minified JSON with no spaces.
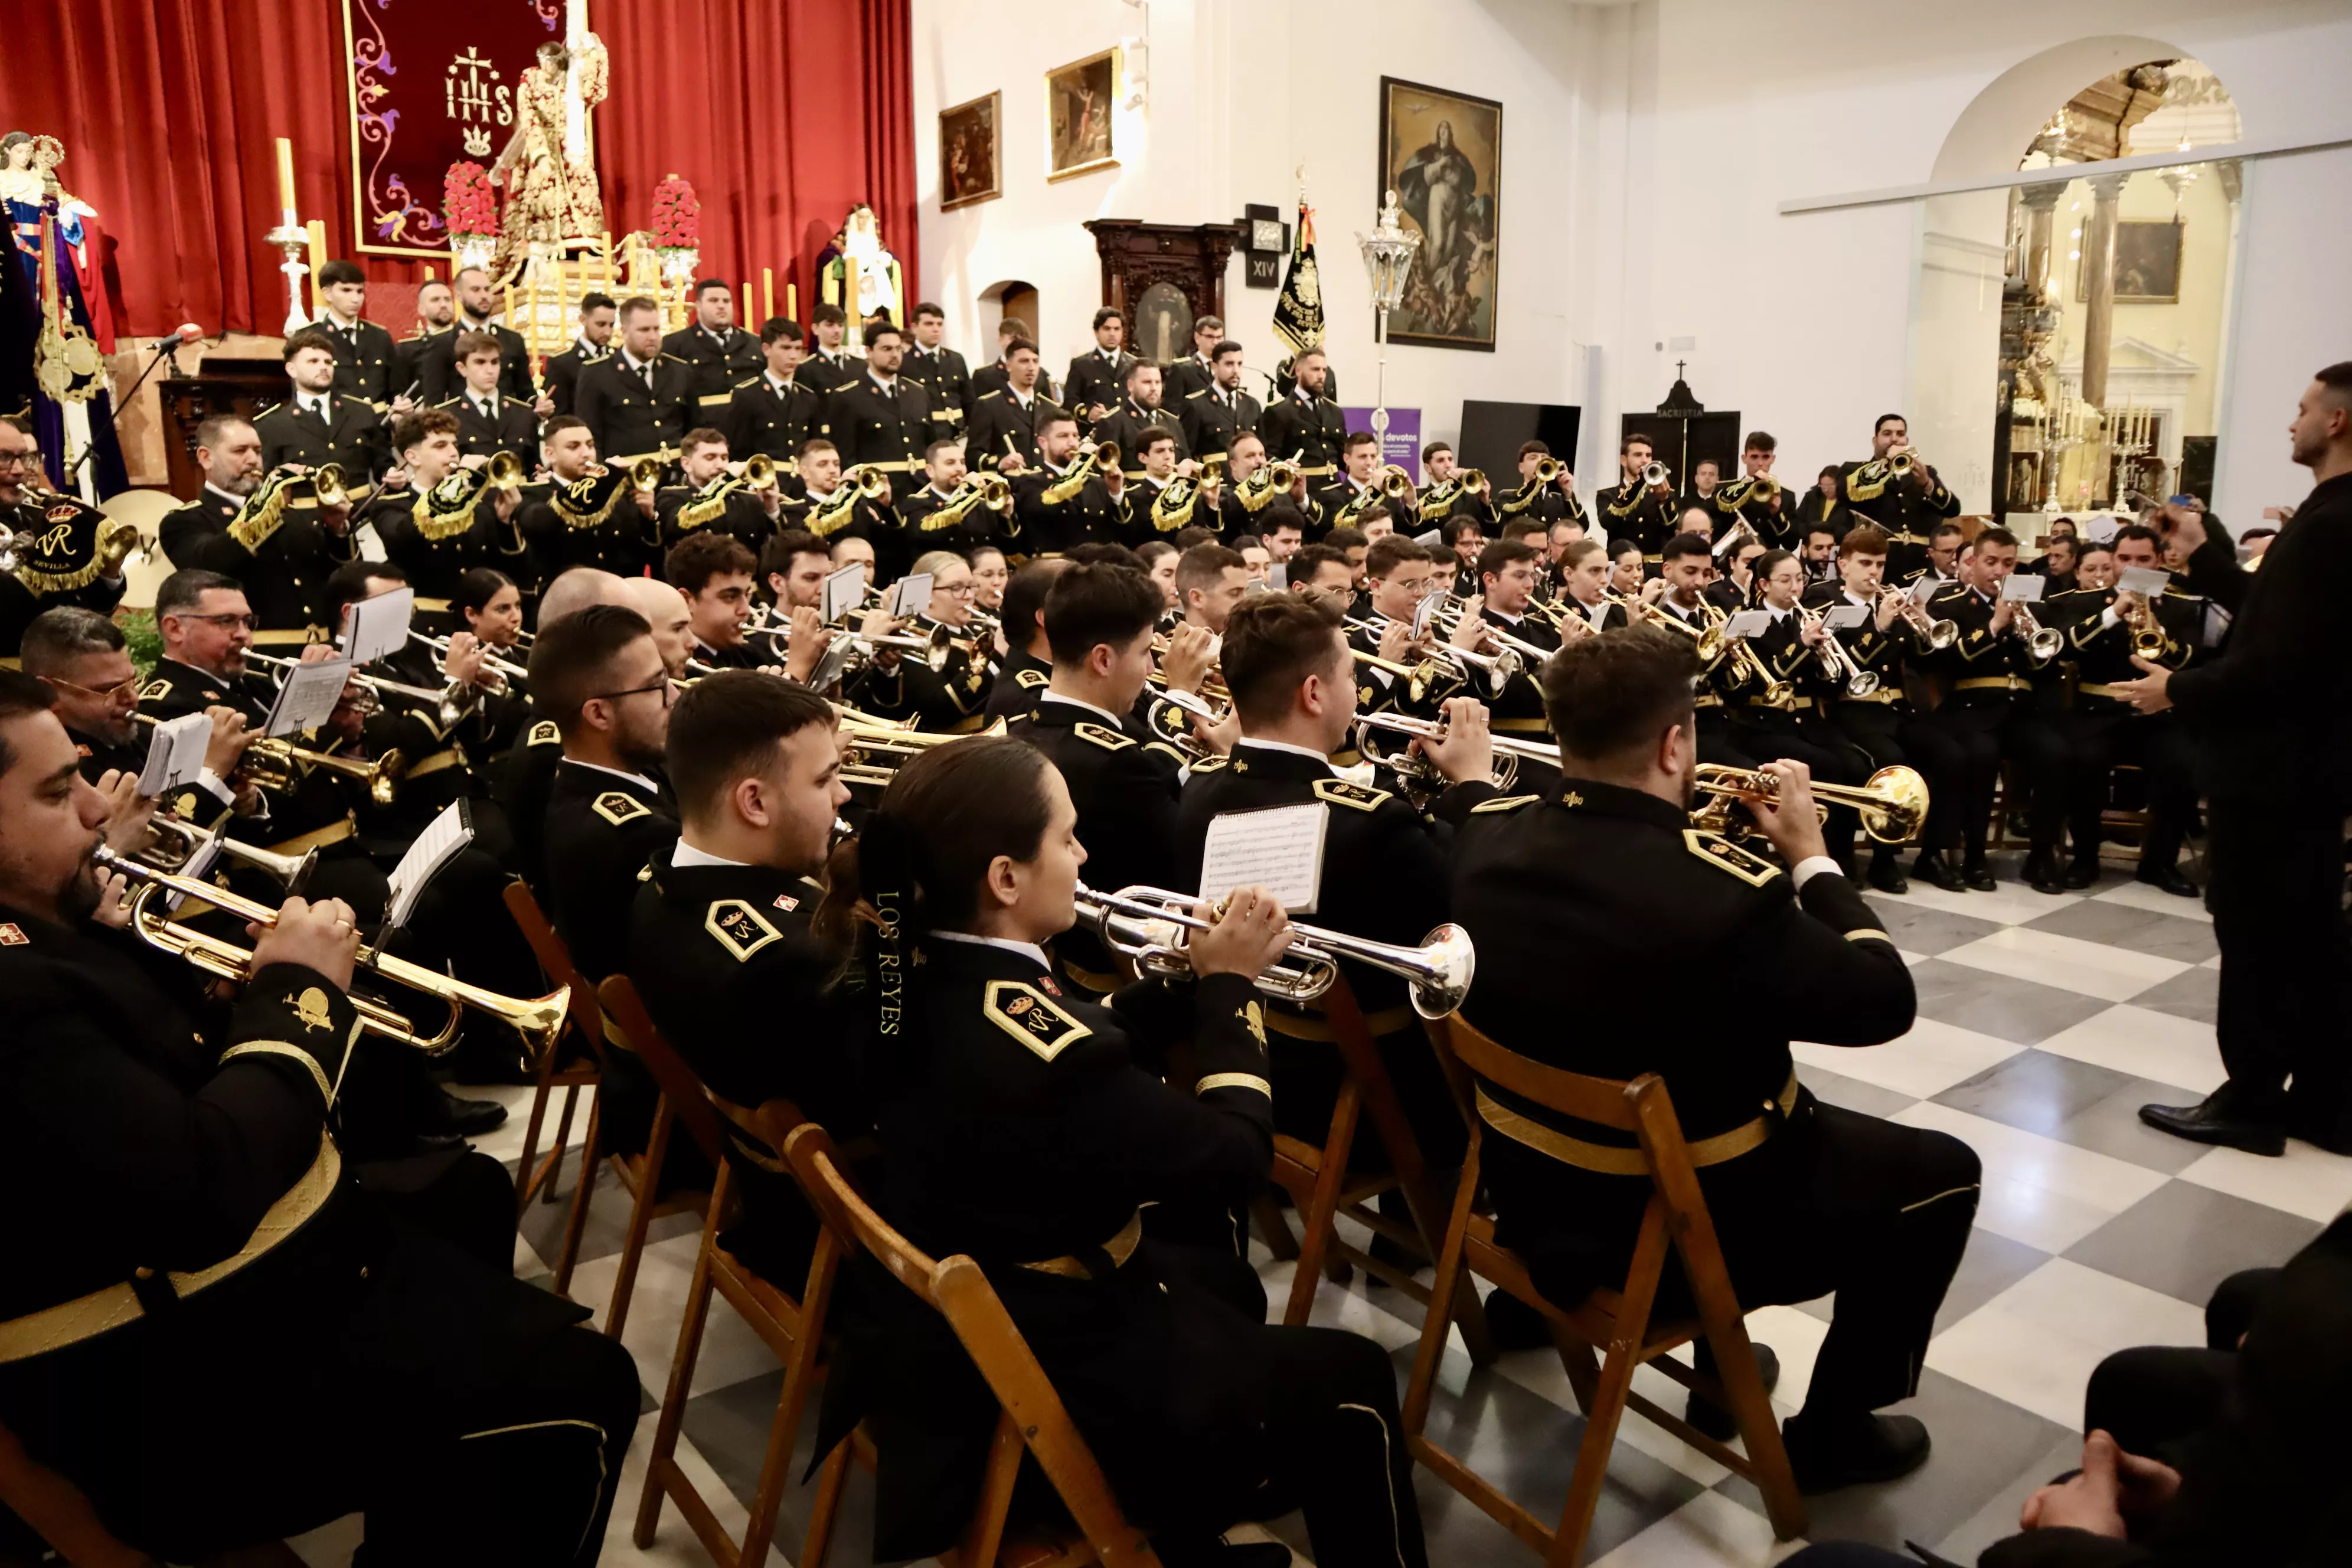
{"x":673,"y":358}
{"x":740,"y":929}
{"x":544,"y":733}
{"x":618,"y":806}
{"x":1505,"y":803}
{"x":265,"y":412}
{"x":1110,"y":740}
{"x":747,"y":381}
{"x":1725,"y":856}
{"x":155,"y":690}
{"x":449,"y":402}
{"x":1031,"y":680}
{"x":1210,"y":765}
{"x":1030,"y":1017}
{"x":1344,"y":793}
{"x":986,"y":395}
{"x":1204,"y":391}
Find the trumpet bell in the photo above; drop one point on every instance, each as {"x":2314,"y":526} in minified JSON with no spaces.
{"x":1450,"y":963}
{"x":759,"y":472}
{"x":1896,"y":806}
{"x":1654,"y":475}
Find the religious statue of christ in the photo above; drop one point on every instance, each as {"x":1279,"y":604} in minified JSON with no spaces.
{"x":553,"y":202}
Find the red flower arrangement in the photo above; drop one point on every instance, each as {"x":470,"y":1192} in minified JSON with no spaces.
{"x":677,"y":216}
{"x":466,"y":202}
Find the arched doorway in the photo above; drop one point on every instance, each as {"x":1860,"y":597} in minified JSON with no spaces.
{"x":1010,"y":298}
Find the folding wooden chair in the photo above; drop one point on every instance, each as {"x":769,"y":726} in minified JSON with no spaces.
{"x":1619,"y":1319}
{"x":1323,"y":1188}
{"x":575,"y":1060}
{"x":1033,"y":1417}
{"x":630,"y":1027}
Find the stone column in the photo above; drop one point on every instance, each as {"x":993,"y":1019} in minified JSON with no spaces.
{"x":2041,"y":204}
{"x":2099,"y":260}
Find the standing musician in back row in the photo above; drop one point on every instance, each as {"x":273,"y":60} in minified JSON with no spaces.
{"x":1305,"y":426}
{"x":1643,"y":503}
{"x":1806,"y":1198}
{"x":1896,"y":490}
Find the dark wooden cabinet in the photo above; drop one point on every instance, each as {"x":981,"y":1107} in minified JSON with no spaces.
{"x":1164,"y":277}
{"x":240,"y":387}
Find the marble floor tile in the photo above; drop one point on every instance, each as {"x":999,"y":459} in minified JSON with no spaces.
{"x":2035,"y":953}
{"x":504,"y":1142}
{"x":2076,"y":1102}
{"x":2133,"y":1039}
{"x":1971,"y":996}
{"x":2036,"y":1343}
{"x":1929,"y":1059}
{"x":2183,"y":1239}
{"x":731,"y":1350}
{"x":2140,"y":896}
{"x":2011,"y":903}
{"x":2305,"y":1181}
{"x":2194,"y":995}
{"x":1711,"y":1530}
{"x":1923,"y":927}
{"x":1834,"y":1088}
{"x":2037,"y":1190}
{"x":2132,"y":927}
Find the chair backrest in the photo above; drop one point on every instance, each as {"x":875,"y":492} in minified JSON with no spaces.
{"x":960,"y":1291}
{"x":689,"y":1099}
{"x":556,"y":960}
{"x":1601,"y":1100}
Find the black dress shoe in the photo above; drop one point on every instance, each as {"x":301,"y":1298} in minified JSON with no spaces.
{"x":2041,"y":872}
{"x":468,"y":1118}
{"x":2082,"y":873}
{"x":1886,"y":875}
{"x":1714,"y":1420}
{"x":2214,"y":1120}
{"x":1979,"y":877}
{"x":1853,"y":1450}
{"x":1932,"y":869}
{"x":2169,"y":878}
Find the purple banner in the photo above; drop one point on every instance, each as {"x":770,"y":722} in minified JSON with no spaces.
{"x":1403,"y":443}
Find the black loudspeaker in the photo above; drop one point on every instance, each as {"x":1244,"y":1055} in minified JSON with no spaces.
{"x":1493,"y":433}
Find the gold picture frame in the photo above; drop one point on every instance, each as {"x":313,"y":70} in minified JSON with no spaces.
{"x":1081,"y":116}
{"x":971,"y":152}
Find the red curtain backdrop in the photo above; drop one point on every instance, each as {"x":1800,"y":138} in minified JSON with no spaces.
{"x":783,"y":115}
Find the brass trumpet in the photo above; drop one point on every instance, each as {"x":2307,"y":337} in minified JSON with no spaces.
{"x":1937,"y":635}
{"x":289,"y":871}
{"x":537,"y":1019}
{"x":1420,"y":772}
{"x":451,"y":701}
{"x":759,"y":472}
{"x":1841,"y":665}
{"x":1395,"y":484}
{"x":1747,"y":666}
{"x":1548,"y":470}
{"x":645,"y":475}
{"x":1499,"y":667}
{"x":503,"y":472}
{"x":1147,"y":925}
{"x":277,"y":765}
{"x":2042,"y":643}
{"x":1891,"y":802}
{"x":1655,"y":477}
{"x":327,"y":484}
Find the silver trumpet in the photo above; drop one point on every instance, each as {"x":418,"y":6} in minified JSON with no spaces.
{"x":1937,"y":635}
{"x":1148,"y":925}
{"x":1499,"y":667}
{"x":2042,"y":643}
{"x":1417,"y":769}
{"x":451,"y":701}
{"x":1841,"y":665}
{"x":289,"y":871}
{"x":505,"y":670}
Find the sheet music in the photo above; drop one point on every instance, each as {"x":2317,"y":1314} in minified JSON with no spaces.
{"x":2019,"y":588}
{"x":842,"y":590}
{"x":197,"y":867}
{"x":1844,"y":617}
{"x":910,"y":597}
{"x":176,"y":754}
{"x":2149,"y":581}
{"x":379,"y":625}
{"x":1747,"y":624}
{"x":1279,"y":849}
{"x":309,"y":697}
{"x":444,"y":837}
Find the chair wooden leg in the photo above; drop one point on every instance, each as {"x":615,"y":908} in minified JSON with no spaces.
{"x":641,"y":1216}
{"x":576,"y":1223}
{"x":530,"y":1136}
{"x":681,"y":1374}
{"x":1576,"y":1359}
{"x":776,"y":1465}
{"x":1751,"y":1408}
{"x":562,"y":1139}
{"x":832,"y":1482}
{"x":985,"y":1533}
{"x":1273,"y":1229}
{"x":1315,"y":1249}
{"x":1605,"y":1410}
{"x":1452,"y":1279}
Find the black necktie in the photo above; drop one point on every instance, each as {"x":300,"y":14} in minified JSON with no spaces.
{"x":649,"y":375}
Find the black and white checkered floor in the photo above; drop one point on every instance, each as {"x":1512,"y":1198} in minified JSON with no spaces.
{"x":2043,"y":1022}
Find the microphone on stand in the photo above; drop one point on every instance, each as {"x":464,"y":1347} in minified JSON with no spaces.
{"x":186,"y":332}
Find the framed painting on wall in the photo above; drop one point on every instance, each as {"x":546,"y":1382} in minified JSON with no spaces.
{"x":2147,"y":264}
{"x":1079,"y":99}
{"x":971,"y":166}
{"x":1442,"y":152}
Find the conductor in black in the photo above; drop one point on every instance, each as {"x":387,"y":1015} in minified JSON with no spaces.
{"x":1807,"y":1198}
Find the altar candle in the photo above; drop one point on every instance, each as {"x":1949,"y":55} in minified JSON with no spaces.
{"x":743,"y":301}
{"x":286,"y":180}
{"x":767,"y":294}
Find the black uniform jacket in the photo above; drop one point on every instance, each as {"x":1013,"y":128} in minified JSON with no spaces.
{"x":514,"y":429}
{"x":629,"y":418}
{"x":1983,"y":670}
{"x":759,"y":418}
{"x":352,"y":436}
{"x":602,"y":829}
{"x":720,"y":362}
{"x":1617,"y":883}
{"x":1051,"y":518}
{"x":1908,"y":509}
{"x":996,"y":378}
{"x":284,"y":571}
{"x":437,"y":552}
{"x":999,"y":423}
{"x":2275,"y":705}
{"x":1095,"y":379}
{"x":437,"y":364}
{"x":1129,"y":423}
{"x":942,"y":372}
{"x":1214,"y":419}
{"x":363,"y":361}
{"x":563,"y":374}
{"x":1024,"y":1125}
{"x":882,"y":428}
{"x":1635,"y":508}
{"x":1312,"y":436}
{"x":408,"y":356}
{"x":821,"y":372}
{"x":1021,"y":685}
{"x":567,"y":525}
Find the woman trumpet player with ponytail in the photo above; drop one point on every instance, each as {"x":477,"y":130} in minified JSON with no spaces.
{"x":1033,"y":1131}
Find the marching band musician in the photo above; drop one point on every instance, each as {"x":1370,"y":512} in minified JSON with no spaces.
{"x":436,"y":328}
{"x":1002,"y":437}
{"x":2105,"y":628}
{"x":488,"y":607}
{"x":1821,"y":504}
{"x":1584,"y":602}
{"x":1788,"y":727}
{"x":285,"y":553}
{"x":772,"y":414}
{"x":1806,"y":1197}
{"x":224,"y":1339}
{"x":526,"y":777}
{"x":584,"y":514}
{"x":943,"y":471}
{"x":1061,"y":504}
{"x":446,"y":520}
{"x":953,"y":697}
{"x":1707,"y":478}
{"x":712,"y":574}
{"x":1341,"y":503}
{"x":363,"y":351}
{"x":1122,"y":776}
{"x":1028,"y":664}
{"x":1465,"y":538}
{"x":1447,"y":494}
{"x":996,"y":376}
{"x":591,"y":343}
{"x":1637,"y":507}
{"x":940,"y":371}
{"x":316,"y":425}
{"x":1141,"y":418}
{"x":636,"y":403}
{"x":1304,"y":427}
{"x":1626,"y":568}
{"x":82,"y":657}
{"x":1141,"y":513}
{"x":881,"y":420}
{"x":1989,"y":712}
{"x":828,"y":368}
{"x":1755,"y":497}
{"x":1249,"y":489}
{"x":1216,"y":411}
{"x":719,"y":933}
{"x":1198,"y":369}
{"x":1942,"y":567}
{"x":1882,"y":721}
{"x":1679,"y":590}
{"x":1033,"y":1130}
{"x":1507,"y":573}
{"x":1900,"y":493}
{"x":437,"y":371}
{"x":1210,"y":581}
{"x":720,"y":353}
{"x":1737,"y":588}
{"x":1402,"y":574}
{"x":1098,"y":378}
{"x":838,"y":512}
{"x":1546,"y":499}
{"x":712,"y":499}
{"x":488,"y":422}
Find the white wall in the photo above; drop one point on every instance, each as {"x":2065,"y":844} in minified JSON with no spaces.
{"x":1646,"y":149}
